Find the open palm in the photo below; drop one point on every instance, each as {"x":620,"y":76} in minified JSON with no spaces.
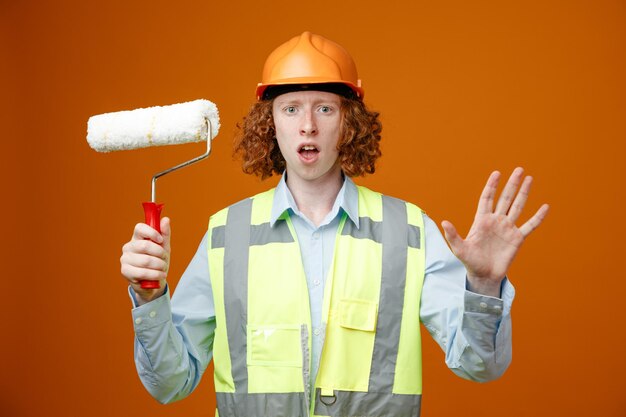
{"x":493,"y":239}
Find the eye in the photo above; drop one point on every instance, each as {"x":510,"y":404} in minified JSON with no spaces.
{"x":325,"y":109}
{"x":290,"y":109}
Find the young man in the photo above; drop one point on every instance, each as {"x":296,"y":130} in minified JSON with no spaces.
{"x":309,"y":296}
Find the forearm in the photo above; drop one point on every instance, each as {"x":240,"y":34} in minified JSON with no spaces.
{"x":480,"y":349}
{"x":473,"y":330}
{"x":169,"y":362}
{"x":484,"y":286}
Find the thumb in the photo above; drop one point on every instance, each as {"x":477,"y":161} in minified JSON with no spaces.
{"x":166,"y":232}
{"x":454,"y":240}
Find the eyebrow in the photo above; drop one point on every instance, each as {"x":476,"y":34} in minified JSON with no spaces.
{"x":296,"y":101}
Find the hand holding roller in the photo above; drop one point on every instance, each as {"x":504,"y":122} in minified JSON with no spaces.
{"x":155,"y":126}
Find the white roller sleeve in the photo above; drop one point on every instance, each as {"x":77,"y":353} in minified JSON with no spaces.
{"x":152,"y":126}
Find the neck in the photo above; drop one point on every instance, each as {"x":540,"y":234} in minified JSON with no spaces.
{"x":315,"y":199}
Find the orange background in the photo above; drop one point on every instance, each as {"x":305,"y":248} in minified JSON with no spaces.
{"x":463,"y":88}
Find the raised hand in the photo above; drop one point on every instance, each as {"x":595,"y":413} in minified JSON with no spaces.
{"x":147,"y":257}
{"x":494,"y":240}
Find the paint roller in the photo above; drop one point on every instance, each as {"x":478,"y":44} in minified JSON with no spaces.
{"x":194,"y":121}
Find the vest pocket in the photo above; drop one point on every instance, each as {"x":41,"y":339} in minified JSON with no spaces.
{"x":358,"y":314}
{"x":274,"y":345}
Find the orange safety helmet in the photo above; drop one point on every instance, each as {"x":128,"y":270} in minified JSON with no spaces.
{"x":309,"y":59}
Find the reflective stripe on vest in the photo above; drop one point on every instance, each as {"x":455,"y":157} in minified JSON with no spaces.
{"x":371,"y":357}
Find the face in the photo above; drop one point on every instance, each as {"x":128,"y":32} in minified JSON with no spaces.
{"x":307,"y":127}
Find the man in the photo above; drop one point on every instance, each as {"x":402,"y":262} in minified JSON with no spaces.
{"x":309,"y":296}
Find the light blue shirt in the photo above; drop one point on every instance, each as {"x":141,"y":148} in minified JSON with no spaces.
{"x":174,"y":340}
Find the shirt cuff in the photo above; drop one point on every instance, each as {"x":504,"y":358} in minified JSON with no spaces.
{"x":482,"y":303}
{"x":478,"y":303}
{"x":133,"y":298}
{"x":152,"y":314}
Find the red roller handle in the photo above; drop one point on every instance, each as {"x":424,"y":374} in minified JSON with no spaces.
{"x":153,"y":219}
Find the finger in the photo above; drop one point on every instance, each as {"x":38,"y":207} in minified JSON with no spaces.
{"x":143,"y":231}
{"x":485,"y":203}
{"x":135,"y":274}
{"x":451,"y":235}
{"x":144,"y":246}
{"x":166,"y":233}
{"x":520,"y":199}
{"x":508,"y":194}
{"x":534,"y":221}
{"x":144,"y":261}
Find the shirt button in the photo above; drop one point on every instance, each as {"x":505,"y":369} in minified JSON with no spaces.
{"x":317,"y":282}
{"x":316,"y":332}
{"x":483,"y":305}
{"x":316,"y":235}
{"x":153,"y":314}
{"x":497,"y":307}
{"x":138,"y":320}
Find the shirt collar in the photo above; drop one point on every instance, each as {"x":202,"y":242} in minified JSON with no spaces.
{"x":347,"y":200}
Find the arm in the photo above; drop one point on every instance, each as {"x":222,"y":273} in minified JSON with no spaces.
{"x":473,"y":330}
{"x":174,"y":339}
{"x":477,"y":340}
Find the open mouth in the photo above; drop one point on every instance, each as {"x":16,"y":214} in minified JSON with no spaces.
{"x":308,"y":151}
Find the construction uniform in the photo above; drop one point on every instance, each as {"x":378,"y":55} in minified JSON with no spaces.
{"x":390,"y":269}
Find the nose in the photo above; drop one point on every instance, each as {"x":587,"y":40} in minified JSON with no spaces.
{"x":308,"y":125}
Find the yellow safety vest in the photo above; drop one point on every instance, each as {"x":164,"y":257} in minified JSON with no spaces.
{"x":371,"y":359}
